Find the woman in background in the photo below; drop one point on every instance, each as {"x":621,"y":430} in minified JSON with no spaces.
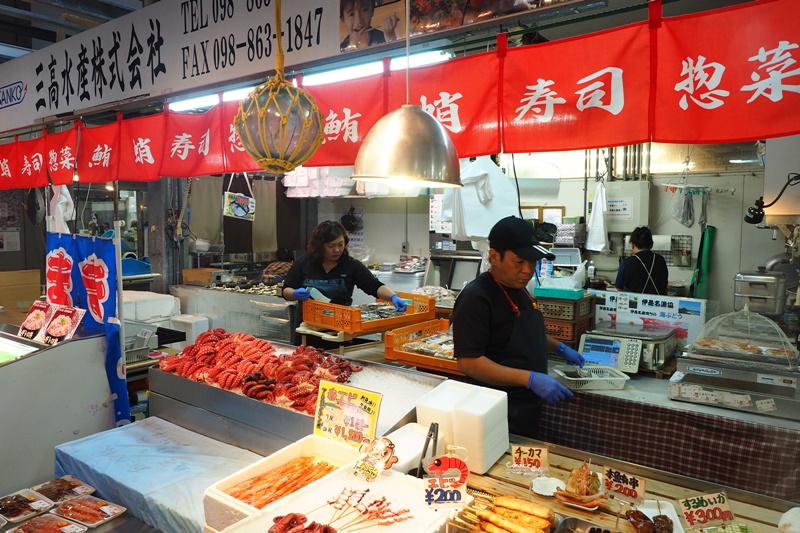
{"x":329,"y":268}
{"x":645,"y":271}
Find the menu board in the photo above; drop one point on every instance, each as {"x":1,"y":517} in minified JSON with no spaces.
{"x":685,"y":315}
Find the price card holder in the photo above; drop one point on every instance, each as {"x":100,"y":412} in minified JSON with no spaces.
{"x":706,"y":510}
{"x":347,"y":414}
{"x":530,"y":457}
{"x":444,"y":491}
{"x":624,"y":486}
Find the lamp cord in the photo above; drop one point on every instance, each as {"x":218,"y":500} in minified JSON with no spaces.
{"x":792,"y":179}
{"x":408,"y":51}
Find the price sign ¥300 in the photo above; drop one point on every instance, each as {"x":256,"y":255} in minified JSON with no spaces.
{"x":345,"y":413}
{"x":530,"y":457}
{"x":706,"y":510}
{"x":624,"y":486}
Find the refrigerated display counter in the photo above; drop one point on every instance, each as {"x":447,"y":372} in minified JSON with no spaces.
{"x":53,"y":394}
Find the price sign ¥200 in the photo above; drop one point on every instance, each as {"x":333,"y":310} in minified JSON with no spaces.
{"x":706,"y":510}
{"x":444,"y":492}
{"x":530,"y":457}
{"x":345,"y":413}
{"x":624,"y":486}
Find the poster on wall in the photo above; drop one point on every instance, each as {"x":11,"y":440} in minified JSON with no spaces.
{"x":10,"y":221}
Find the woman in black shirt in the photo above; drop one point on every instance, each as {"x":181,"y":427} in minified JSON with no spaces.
{"x":645,"y":271}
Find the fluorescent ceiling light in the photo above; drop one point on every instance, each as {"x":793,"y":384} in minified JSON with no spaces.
{"x":742,"y":161}
{"x":236,"y":94}
{"x":376,"y":67}
{"x":194,"y":103}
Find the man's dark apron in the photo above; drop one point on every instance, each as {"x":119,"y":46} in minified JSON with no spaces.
{"x":527,"y":337}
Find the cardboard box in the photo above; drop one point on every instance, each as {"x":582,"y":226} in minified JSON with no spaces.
{"x":13,"y":278}
{"x":199,"y":276}
{"x":20,"y":297}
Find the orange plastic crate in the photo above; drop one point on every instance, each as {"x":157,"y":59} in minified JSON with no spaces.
{"x":348,"y":319}
{"x":395,"y":339}
{"x":567,"y":331}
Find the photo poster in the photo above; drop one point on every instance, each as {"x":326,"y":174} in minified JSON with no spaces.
{"x":686,"y":315}
{"x":10,"y":221}
{"x":365,"y":23}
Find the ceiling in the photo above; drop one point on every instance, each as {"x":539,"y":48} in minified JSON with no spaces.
{"x":35,"y":24}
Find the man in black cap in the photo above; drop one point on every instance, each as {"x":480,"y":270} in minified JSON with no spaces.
{"x":499,"y":336}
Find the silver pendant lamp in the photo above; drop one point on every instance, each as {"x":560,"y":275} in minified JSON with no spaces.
{"x":408,"y":147}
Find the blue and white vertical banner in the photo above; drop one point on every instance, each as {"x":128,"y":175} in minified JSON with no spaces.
{"x":97,"y":292}
{"x":115,"y":371}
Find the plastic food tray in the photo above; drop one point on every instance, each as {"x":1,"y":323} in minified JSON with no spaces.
{"x":78,"y":489}
{"x":348,"y":319}
{"x":111,"y":510}
{"x":38,"y":504}
{"x":601,"y":377}
{"x":66,"y":526}
{"x":223,"y":510}
{"x":396,"y":338}
{"x":578,"y":524}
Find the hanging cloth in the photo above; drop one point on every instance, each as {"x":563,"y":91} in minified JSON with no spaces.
{"x":700,"y":278}
{"x":62,"y":209}
{"x":683,"y":211}
{"x":596,"y":235}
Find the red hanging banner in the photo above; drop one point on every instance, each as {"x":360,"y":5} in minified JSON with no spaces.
{"x":192,"y":144}
{"x":31,"y":163}
{"x":462,"y":95}
{"x":740,"y":81}
{"x":350,"y":109}
{"x":585,"y":92}
{"x":98,"y":153}
{"x":236,"y":159}
{"x":9,"y":170}
{"x":61,"y":151}
{"x":141,"y":148}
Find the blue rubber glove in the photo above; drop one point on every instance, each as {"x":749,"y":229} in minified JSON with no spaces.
{"x":301,"y":295}
{"x":399,"y":303}
{"x":569,"y":355}
{"x":547,"y":387}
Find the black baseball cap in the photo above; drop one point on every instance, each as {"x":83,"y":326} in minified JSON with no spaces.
{"x":515,"y":234}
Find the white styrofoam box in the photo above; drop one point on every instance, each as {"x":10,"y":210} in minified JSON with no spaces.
{"x":148,"y":305}
{"x":438,"y":404}
{"x":191,"y":325}
{"x":222,"y":510}
{"x":215,"y":321}
{"x":408,"y":443}
{"x":209,"y":529}
{"x":401,"y":492}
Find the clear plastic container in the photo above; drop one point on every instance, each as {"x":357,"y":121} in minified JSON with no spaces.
{"x":23,"y":504}
{"x":89,"y":511}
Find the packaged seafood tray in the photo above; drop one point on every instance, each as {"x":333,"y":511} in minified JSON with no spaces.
{"x":591,"y":377}
{"x":393,"y":501}
{"x":396,"y":346}
{"x":23,"y":504}
{"x":63,"y":488}
{"x":48,"y":523}
{"x":222,"y":509}
{"x":349,"y":319}
{"x":89,"y":511}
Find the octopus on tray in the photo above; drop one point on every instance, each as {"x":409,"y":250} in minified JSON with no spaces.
{"x":243,"y":363}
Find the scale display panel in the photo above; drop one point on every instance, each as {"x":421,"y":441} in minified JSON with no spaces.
{"x":10,"y":350}
{"x":601,"y":350}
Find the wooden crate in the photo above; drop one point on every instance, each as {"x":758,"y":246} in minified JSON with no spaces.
{"x":396,"y":338}
{"x":348,"y":319}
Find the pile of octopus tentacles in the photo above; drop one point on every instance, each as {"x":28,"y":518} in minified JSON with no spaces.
{"x":241,"y":362}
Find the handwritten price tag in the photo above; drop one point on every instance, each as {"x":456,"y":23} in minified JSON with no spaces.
{"x":443,"y":492}
{"x":345,"y":413}
{"x":530,"y":457}
{"x":624,"y":486}
{"x":707,"y":510}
